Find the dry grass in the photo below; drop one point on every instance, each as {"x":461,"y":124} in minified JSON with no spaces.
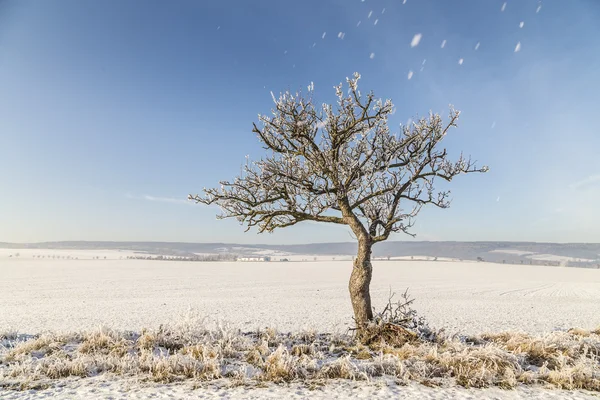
{"x":198,"y":352}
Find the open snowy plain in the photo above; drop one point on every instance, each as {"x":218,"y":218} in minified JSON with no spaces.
{"x":38,"y":295}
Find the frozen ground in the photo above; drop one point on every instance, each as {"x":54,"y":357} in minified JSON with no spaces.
{"x":93,"y":389}
{"x":66,"y":295}
{"x":42,"y":294}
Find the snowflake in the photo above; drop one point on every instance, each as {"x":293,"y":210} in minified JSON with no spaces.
{"x":443,"y":43}
{"x":370,"y":13}
{"x":518,"y":47}
{"x":357,"y":25}
{"x":415,"y":40}
{"x":323,"y":35}
{"x":477,"y":46}
{"x":410,"y":75}
{"x":460,"y":62}
{"x":376,"y":21}
{"x":341,"y":35}
{"x":503,"y":7}
{"x":538,"y":9}
{"x":521,"y":24}
{"x":372,"y":56}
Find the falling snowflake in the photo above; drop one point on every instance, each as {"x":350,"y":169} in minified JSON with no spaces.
{"x":314,"y":44}
{"x":477,"y":46}
{"x":539,"y":8}
{"x":383,"y":11}
{"x":498,"y":199}
{"x":358,"y":24}
{"x":370,"y":13}
{"x":285,"y":52}
{"x":415,"y":40}
{"x":404,"y":2}
{"x":503,"y":7}
{"x":410,"y":74}
{"x":424,"y":61}
{"x":218,"y":27}
{"x":376,"y":21}
{"x":372,"y":56}
{"x":460,"y":62}
{"x":341,"y":35}
{"x":323,"y":35}
{"x":443,"y":44}
{"x":518,"y":47}
{"x":521,"y":24}
{"x":493,"y":124}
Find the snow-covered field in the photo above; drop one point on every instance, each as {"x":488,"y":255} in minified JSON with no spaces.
{"x":70,"y":295}
{"x":42,"y":294}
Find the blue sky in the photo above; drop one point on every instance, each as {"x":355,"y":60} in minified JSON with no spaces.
{"x":111,"y":112}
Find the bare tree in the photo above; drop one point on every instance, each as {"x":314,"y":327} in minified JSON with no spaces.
{"x":341,"y":164}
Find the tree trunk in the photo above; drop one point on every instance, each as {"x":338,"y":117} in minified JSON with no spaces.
{"x":360,"y":279}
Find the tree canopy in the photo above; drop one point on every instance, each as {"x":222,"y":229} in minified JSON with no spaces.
{"x":341,"y":164}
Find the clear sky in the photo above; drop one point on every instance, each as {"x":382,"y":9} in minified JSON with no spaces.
{"x":112,"y":111}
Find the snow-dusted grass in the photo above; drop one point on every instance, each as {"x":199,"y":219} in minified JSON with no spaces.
{"x":192,"y":349}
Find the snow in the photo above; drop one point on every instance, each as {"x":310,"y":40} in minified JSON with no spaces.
{"x":468,"y":297}
{"x":477,"y":46}
{"x":358,"y":24}
{"x":518,"y":47}
{"x":521,"y":24}
{"x":512,"y":251}
{"x":503,"y":7}
{"x":323,"y":35}
{"x":443,"y":43}
{"x":554,"y":257}
{"x":372,"y":56}
{"x":98,"y":388}
{"x":539,"y":8}
{"x":460,"y":62}
{"x":415,"y":40}
{"x":410,"y":75}
{"x":370,"y":13}
{"x":376,"y":21}
{"x":341,"y":35}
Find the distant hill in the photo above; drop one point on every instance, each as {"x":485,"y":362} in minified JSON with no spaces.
{"x":575,"y":254}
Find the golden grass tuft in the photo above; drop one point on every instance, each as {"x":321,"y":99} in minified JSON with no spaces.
{"x":579,"y":332}
{"x":280,"y":366}
{"x":104,"y":342}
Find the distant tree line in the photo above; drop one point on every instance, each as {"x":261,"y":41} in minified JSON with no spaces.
{"x":205,"y":258}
